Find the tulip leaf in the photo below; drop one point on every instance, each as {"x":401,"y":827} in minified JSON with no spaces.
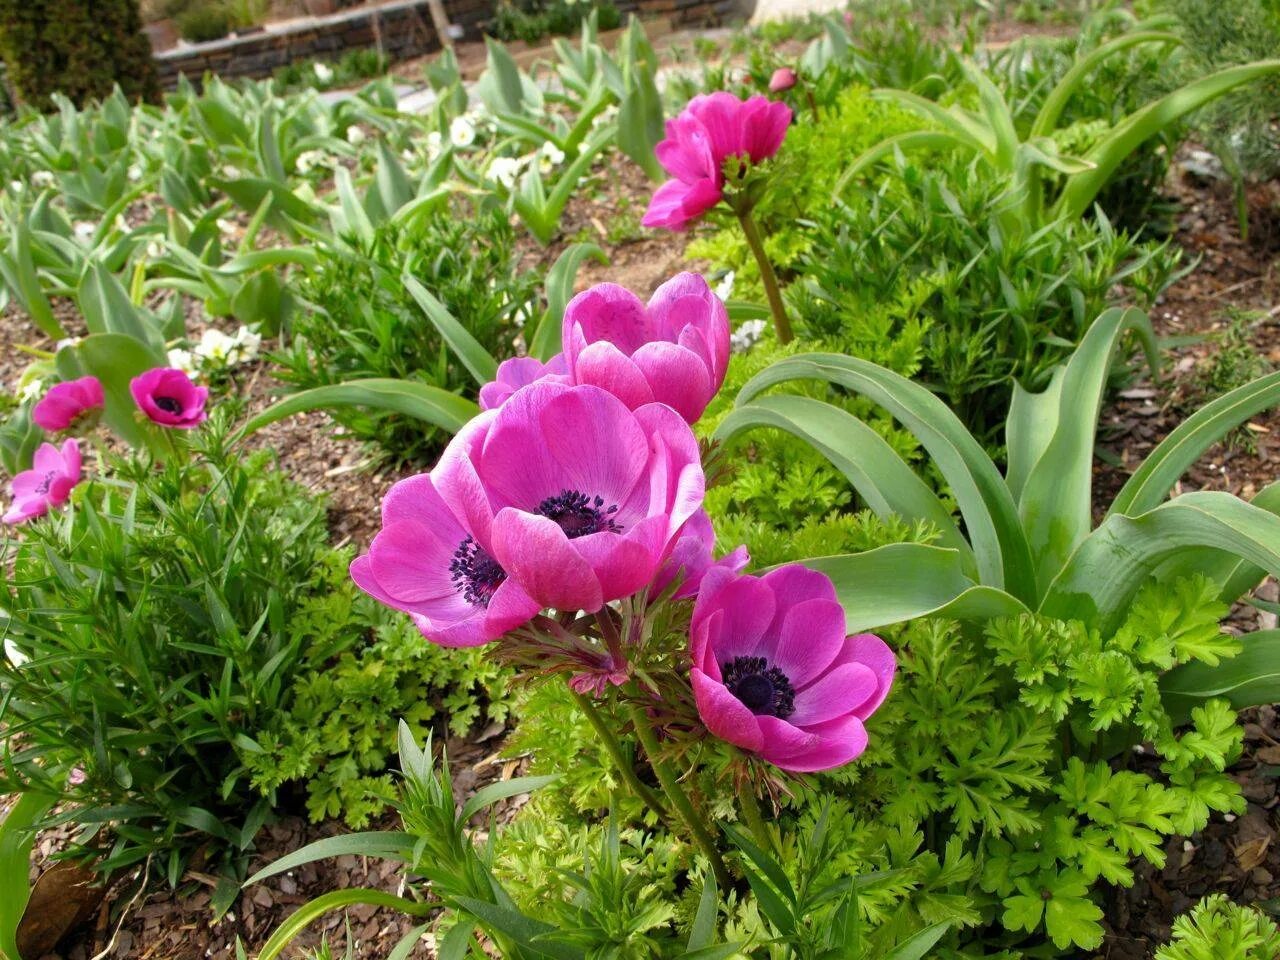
{"x":478,"y":361}
{"x":1249,"y":679}
{"x":336,"y":900}
{"x":987,"y":507}
{"x":17,"y":835}
{"x":903,"y":581}
{"x":1099,"y":581}
{"x":1175,"y":454}
{"x":442,"y":409}
{"x":389,"y":844}
{"x":881,"y":477}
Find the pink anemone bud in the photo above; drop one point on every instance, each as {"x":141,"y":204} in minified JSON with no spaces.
{"x":710,"y":130}
{"x":783,"y":79}
{"x":49,"y":482}
{"x":692,"y":556}
{"x":520,"y":372}
{"x":65,"y":403}
{"x":586,"y":496}
{"x":774,"y":673}
{"x":168,"y":397}
{"x":433,"y":557}
{"x":674,"y":351}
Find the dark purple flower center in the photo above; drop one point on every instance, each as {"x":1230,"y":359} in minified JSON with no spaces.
{"x":579,"y":515}
{"x":168,"y":404}
{"x":476,"y":575}
{"x":762,"y":689}
{"x":46,"y":483}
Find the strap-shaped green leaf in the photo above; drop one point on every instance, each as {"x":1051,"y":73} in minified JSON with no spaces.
{"x":478,"y":361}
{"x":1099,"y":581}
{"x":1055,"y":503}
{"x":1249,"y":679}
{"x":313,"y":909}
{"x":881,"y":477}
{"x":1175,"y":454}
{"x":419,"y":400}
{"x":989,"y":513}
{"x":903,"y":581}
{"x":16,"y":839}
{"x":393,"y":845}
{"x":115,"y":359}
{"x":906,"y":142}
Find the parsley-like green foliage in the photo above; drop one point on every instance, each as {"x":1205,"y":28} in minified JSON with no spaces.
{"x":1217,"y":929}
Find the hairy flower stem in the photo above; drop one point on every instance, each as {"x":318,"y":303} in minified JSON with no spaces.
{"x":749,"y":806}
{"x":614,"y":749}
{"x":609,"y":630}
{"x":679,"y":799}
{"x":781,"y":324}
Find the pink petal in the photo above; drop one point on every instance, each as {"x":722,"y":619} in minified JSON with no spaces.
{"x":624,"y":563}
{"x":724,"y":714}
{"x":536,"y":553}
{"x":515,"y":465}
{"x":46,"y":460}
{"x":411,"y":563}
{"x":834,"y":744}
{"x":795,"y":583}
{"x":675,"y":204}
{"x":747,"y":605}
{"x":677,"y":483}
{"x":606,"y":312}
{"x":836,"y":693}
{"x":868,"y":649}
{"x":676,"y":377}
{"x":598,"y":444}
{"x":767,"y":128}
{"x":603,"y":365}
{"x":721,"y":115}
{"x":809,"y":640}
{"x":510,"y":607}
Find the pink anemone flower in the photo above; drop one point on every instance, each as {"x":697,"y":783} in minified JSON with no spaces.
{"x":710,"y":130}
{"x":586,"y":495}
{"x":168,"y":397}
{"x":674,"y":351}
{"x":67,"y":402}
{"x":49,"y":482}
{"x":692,"y":556}
{"x":520,"y":372}
{"x":435,"y":562}
{"x":774,"y":673}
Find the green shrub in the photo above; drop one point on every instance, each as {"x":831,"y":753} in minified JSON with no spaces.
{"x":156,"y":619}
{"x":533,"y":20}
{"x":360,"y":321}
{"x":337,"y":733}
{"x":206,"y":21}
{"x":80,"y":48}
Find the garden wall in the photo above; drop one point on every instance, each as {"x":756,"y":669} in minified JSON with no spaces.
{"x":400,"y":30}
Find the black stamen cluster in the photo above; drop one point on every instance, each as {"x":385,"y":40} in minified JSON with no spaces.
{"x":475,"y":574}
{"x":762,"y":689}
{"x":579,"y":515}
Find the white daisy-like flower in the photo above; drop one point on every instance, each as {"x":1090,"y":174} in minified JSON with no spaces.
{"x":216,"y":346}
{"x":16,"y":186}
{"x":747,"y":335}
{"x":248,"y":343}
{"x":324,"y":73}
{"x":230,"y":171}
{"x":462,"y":132}
{"x":309,"y":160}
{"x":41,"y":179}
{"x":31,"y":390}
{"x":549,"y":157}
{"x":155,"y":249}
{"x":134,"y":172}
{"x":85,"y":230}
{"x":504,"y":170}
{"x":724,"y":289}
{"x":183,"y":360}
{"x":435,"y":143}
{"x":356,"y":136}
{"x":228,"y":228}
{"x":65,"y":343}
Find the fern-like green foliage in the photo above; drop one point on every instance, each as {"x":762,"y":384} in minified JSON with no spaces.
{"x":1217,"y":929}
{"x":336,"y":736}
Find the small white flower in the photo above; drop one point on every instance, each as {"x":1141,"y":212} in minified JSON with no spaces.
{"x":356,"y":136}
{"x":16,"y":186}
{"x":135,"y":172}
{"x":324,"y":73}
{"x":228,"y":228}
{"x":309,"y":160}
{"x":65,"y":343}
{"x":248,"y":343}
{"x":230,"y":172}
{"x":215,"y":345}
{"x":184,"y":361}
{"x":85,"y":230}
{"x":31,"y":389}
{"x":155,"y":249}
{"x":41,"y":179}
{"x":503,"y":170}
{"x":435,"y":143}
{"x":724,"y":289}
{"x":462,"y":132}
{"x":15,"y":654}
{"x":747,"y":335}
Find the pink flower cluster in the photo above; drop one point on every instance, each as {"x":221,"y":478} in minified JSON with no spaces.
{"x":581,"y":483}
{"x":166,"y":396}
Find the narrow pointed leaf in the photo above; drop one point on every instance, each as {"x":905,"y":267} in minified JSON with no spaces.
{"x":478,"y":361}
{"x":419,"y":400}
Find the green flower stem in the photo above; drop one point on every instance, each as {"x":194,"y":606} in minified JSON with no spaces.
{"x":614,"y":749}
{"x":749,"y":806}
{"x":781,"y":323}
{"x":679,"y":799}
